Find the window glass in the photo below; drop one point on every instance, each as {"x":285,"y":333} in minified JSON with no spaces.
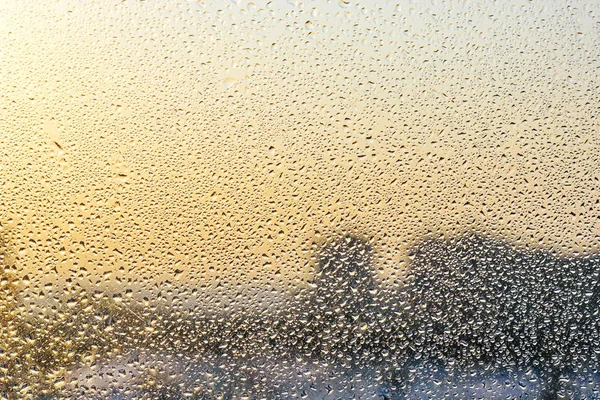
{"x":299,"y":199}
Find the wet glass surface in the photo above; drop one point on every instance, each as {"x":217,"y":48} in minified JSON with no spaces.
{"x":299,"y":199}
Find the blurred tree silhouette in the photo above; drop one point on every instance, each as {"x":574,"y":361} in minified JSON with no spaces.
{"x":14,"y":334}
{"x":342,"y":305}
{"x":344,"y":280}
{"x":480,"y":301}
{"x":37,"y":352}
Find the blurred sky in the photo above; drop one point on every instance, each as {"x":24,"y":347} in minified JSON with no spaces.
{"x":206,"y":142}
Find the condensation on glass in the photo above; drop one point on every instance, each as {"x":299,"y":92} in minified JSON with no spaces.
{"x":299,"y":199}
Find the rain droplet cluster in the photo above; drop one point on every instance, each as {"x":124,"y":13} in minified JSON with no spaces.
{"x":299,"y":199}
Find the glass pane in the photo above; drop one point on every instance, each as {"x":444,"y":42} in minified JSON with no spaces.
{"x":299,"y":199}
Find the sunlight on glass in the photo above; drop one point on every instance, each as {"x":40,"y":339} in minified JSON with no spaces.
{"x":299,"y":199}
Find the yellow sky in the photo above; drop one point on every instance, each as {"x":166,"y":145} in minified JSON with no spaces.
{"x":215,"y":142}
